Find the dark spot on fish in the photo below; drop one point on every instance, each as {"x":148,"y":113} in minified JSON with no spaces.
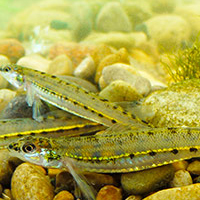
{"x":19,"y":135}
{"x":40,"y":72}
{"x":132,"y":156}
{"x":174,"y":151}
{"x":44,"y":132}
{"x":75,"y":129}
{"x":125,"y":113}
{"x":85,"y":107}
{"x":5,"y":137}
{"x":53,"y":93}
{"x":150,"y":133}
{"x":66,"y":98}
{"x":100,"y":115}
{"x":75,"y":103}
{"x":152,"y":153}
{"x":33,"y":134}
{"x":113,"y":121}
{"x":93,"y":98}
{"x":3,"y":122}
{"x":53,"y":76}
{"x":192,"y":149}
{"x":114,"y":107}
{"x":104,"y":100}
{"x":92,"y":111}
{"x":133,"y":116}
{"x":86,"y":92}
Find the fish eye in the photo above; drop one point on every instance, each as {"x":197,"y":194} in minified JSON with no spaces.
{"x":28,"y":148}
{"x":7,"y":68}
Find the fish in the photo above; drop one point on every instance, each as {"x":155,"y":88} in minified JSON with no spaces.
{"x":68,"y":96}
{"x":110,"y":152}
{"x":12,"y":129}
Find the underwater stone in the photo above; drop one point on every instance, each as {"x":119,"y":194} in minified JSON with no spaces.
{"x":112,"y":17}
{"x":181,"y":178}
{"x":64,"y":195}
{"x":29,"y":182}
{"x":134,"y":197}
{"x":148,"y":180}
{"x":194,"y":167}
{"x":61,"y":65}
{"x":190,"y":192}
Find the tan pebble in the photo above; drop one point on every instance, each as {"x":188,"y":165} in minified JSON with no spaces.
{"x":64,"y":195}
{"x":180,"y":165}
{"x":134,"y":197}
{"x":120,"y":91}
{"x":53,"y":172}
{"x":190,"y":192}
{"x":86,"y":68}
{"x":34,"y":61}
{"x":121,"y":56}
{"x":109,"y":192}
{"x":29,"y":182}
{"x":4,"y":60}
{"x":6,"y":168}
{"x":12,"y":48}
{"x":181,"y":178}
{"x":194,"y":167}
{"x":61,"y":65}
{"x":5,"y":97}
{"x":63,"y":178}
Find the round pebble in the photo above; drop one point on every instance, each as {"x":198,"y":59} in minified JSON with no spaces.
{"x":29,"y":182}
{"x":194,"y":167}
{"x":109,"y":192}
{"x":180,"y":165}
{"x":64,"y":195}
{"x":12,"y":48}
{"x":61,"y":65}
{"x":190,"y":192}
{"x":86,"y":68}
{"x":134,"y":197}
{"x":34,"y":61}
{"x":119,"y":90}
{"x":147,"y":180}
{"x":181,"y":178}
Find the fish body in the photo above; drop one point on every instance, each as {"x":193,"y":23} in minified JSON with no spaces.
{"x":116,"y":152}
{"x":68,"y":96}
{"x":13,"y":129}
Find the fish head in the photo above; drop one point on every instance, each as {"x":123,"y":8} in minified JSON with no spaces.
{"x":13,"y":74}
{"x":40,"y":151}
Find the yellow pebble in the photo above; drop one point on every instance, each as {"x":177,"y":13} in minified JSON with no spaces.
{"x":64,"y":195}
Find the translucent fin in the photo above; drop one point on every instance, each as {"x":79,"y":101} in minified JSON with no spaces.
{"x":37,"y":110}
{"x":87,"y":190}
{"x":30,"y":95}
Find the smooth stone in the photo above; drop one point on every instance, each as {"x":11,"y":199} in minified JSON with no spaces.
{"x":168,"y":31}
{"x":121,"y":56}
{"x":146,"y":181}
{"x":29,"y":182}
{"x":181,"y":178}
{"x":176,"y":105}
{"x":109,"y":192}
{"x":61,"y":65}
{"x":194,"y":167}
{"x":64,"y":195}
{"x":163,"y":6}
{"x":5,"y":97}
{"x":128,"y":74}
{"x":180,"y":165}
{"x":112,"y":17}
{"x":190,"y":192}
{"x":86,"y":68}
{"x":3,"y":61}
{"x":34,"y":61}
{"x":119,"y":90}
{"x":12,"y":48}
{"x":134,"y":197}
{"x":6,"y":168}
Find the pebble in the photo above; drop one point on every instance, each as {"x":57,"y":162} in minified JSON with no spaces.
{"x":6,"y":169}
{"x":180,"y":165}
{"x":121,"y":56}
{"x":119,"y":90}
{"x":12,"y":48}
{"x":146,"y":181}
{"x":64,"y":195}
{"x":134,"y":197}
{"x":163,"y":6}
{"x":190,"y":192}
{"x":34,"y":61}
{"x":181,"y":178}
{"x":61,"y":65}
{"x":167,"y":34}
{"x":5,"y":97}
{"x":3,"y":61}
{"x":86,"y":68}
{"x":128,"y":74}
{"x":112,"y":17}
{"x":109,"y":192}
{"x":29,"y":182}
{"x":194,"y":167}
